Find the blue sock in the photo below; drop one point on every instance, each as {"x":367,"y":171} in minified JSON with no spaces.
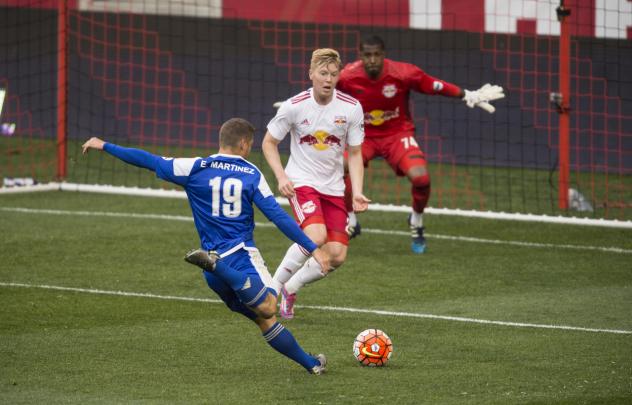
{"x":283,"y":342}
{"x":235,"y":279}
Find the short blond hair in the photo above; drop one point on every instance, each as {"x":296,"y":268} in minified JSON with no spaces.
{"x":325,"y":56}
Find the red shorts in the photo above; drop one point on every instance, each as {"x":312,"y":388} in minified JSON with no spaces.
{"x":311,"y":207}
{"x":401,"y":151}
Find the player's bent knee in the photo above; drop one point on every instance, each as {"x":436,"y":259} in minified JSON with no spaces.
{"x":420,"y":181}
{"x":338,"y":257}
{"x":265,"y":323}
{"x":338,"y":261}
{"x":267,"y":309}
{"x":337,"y":253}
{"x":265,"y":312}
{"x":416,"y":171}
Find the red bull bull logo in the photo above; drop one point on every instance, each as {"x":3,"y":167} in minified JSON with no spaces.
{"x":332,"y":140}
{"x":379,"y":117}
{"x":320,"y":140}
{"x":308,"y":139}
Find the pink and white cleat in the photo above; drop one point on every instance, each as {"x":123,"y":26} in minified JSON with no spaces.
{"x":287,"y":304}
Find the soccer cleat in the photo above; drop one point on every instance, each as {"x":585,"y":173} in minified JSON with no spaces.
{"x":286,"y":309}
{"x":320,"y":368}
{"x":418,"y":244}
{"x":204,"y":259}
{"x":354,"y":231}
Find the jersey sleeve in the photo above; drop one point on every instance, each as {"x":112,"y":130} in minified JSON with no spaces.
{"x":424,"y":83}
{"x":265,"y":201}
{"x":173,"y":170}
{"x":136,"y":157}
{"x":356,"y":126}
{"x":176,"y":170}
{"x":281,"y":124}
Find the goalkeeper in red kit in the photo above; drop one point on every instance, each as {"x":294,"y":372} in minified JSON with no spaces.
{"x":383,"y":87}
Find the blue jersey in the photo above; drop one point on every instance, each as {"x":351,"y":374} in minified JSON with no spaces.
{"x":221,"y":190}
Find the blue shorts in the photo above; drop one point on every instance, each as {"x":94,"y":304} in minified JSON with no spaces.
{"x":249,"y":261}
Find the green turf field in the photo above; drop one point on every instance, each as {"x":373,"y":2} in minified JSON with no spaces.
{"x":101,"y":308}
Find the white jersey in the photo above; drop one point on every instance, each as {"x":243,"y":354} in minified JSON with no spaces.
{"x":319,"y":135}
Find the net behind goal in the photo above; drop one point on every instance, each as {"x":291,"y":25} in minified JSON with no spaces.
{"x":164,"y":76}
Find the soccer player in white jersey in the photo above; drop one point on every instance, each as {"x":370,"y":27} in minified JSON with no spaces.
{"x":221,"y":189}
{"x":322,"y":122}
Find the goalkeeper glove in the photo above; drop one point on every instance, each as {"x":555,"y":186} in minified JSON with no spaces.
{"x":482,"y":97}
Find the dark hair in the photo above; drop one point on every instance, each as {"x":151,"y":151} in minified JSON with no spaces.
{"x":373,"y":40}
{"x":234,"y":130}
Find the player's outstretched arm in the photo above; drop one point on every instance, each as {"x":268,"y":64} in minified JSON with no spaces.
{"x":481,"y":97}
{"x":356,"y":173}
{"x":136,"y":157}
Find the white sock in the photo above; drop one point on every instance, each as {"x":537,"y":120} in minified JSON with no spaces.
{"x":353,"y":220}
{"x":307,"y":274}
{"x":416,"y":219}
{"x":294,"y":259}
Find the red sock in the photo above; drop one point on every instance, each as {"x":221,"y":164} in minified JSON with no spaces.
{"x":421,"y":192}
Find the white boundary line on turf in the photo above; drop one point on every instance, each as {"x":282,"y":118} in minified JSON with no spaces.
{"x":367,"y":230}
{"x":327,"y":308}
{"x":150,"y":192}
{"x":503,"y":242}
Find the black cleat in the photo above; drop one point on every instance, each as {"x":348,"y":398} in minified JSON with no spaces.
{"x":204,"y":259}
{"x":354,"y":231}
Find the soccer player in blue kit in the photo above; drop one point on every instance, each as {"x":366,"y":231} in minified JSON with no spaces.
{"x":221,"y":190}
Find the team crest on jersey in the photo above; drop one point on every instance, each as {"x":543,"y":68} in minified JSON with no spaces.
{"x":340,"y":120}
{"x":389,"y":90}
{"x":308,"y":207}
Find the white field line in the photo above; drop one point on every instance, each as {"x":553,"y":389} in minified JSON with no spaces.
{"x":366,"y":230}
{"x":503,"y":242}
{"x":326,"y":308}
{"x":149,"y":192}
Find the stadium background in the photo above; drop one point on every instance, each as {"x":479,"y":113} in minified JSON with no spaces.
{"x":165,"y":77}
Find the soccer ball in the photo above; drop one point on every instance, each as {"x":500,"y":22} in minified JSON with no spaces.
{"x":372,"y":348}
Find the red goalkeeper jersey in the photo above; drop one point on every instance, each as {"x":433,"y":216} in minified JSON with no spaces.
{"x":385,"y":101}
